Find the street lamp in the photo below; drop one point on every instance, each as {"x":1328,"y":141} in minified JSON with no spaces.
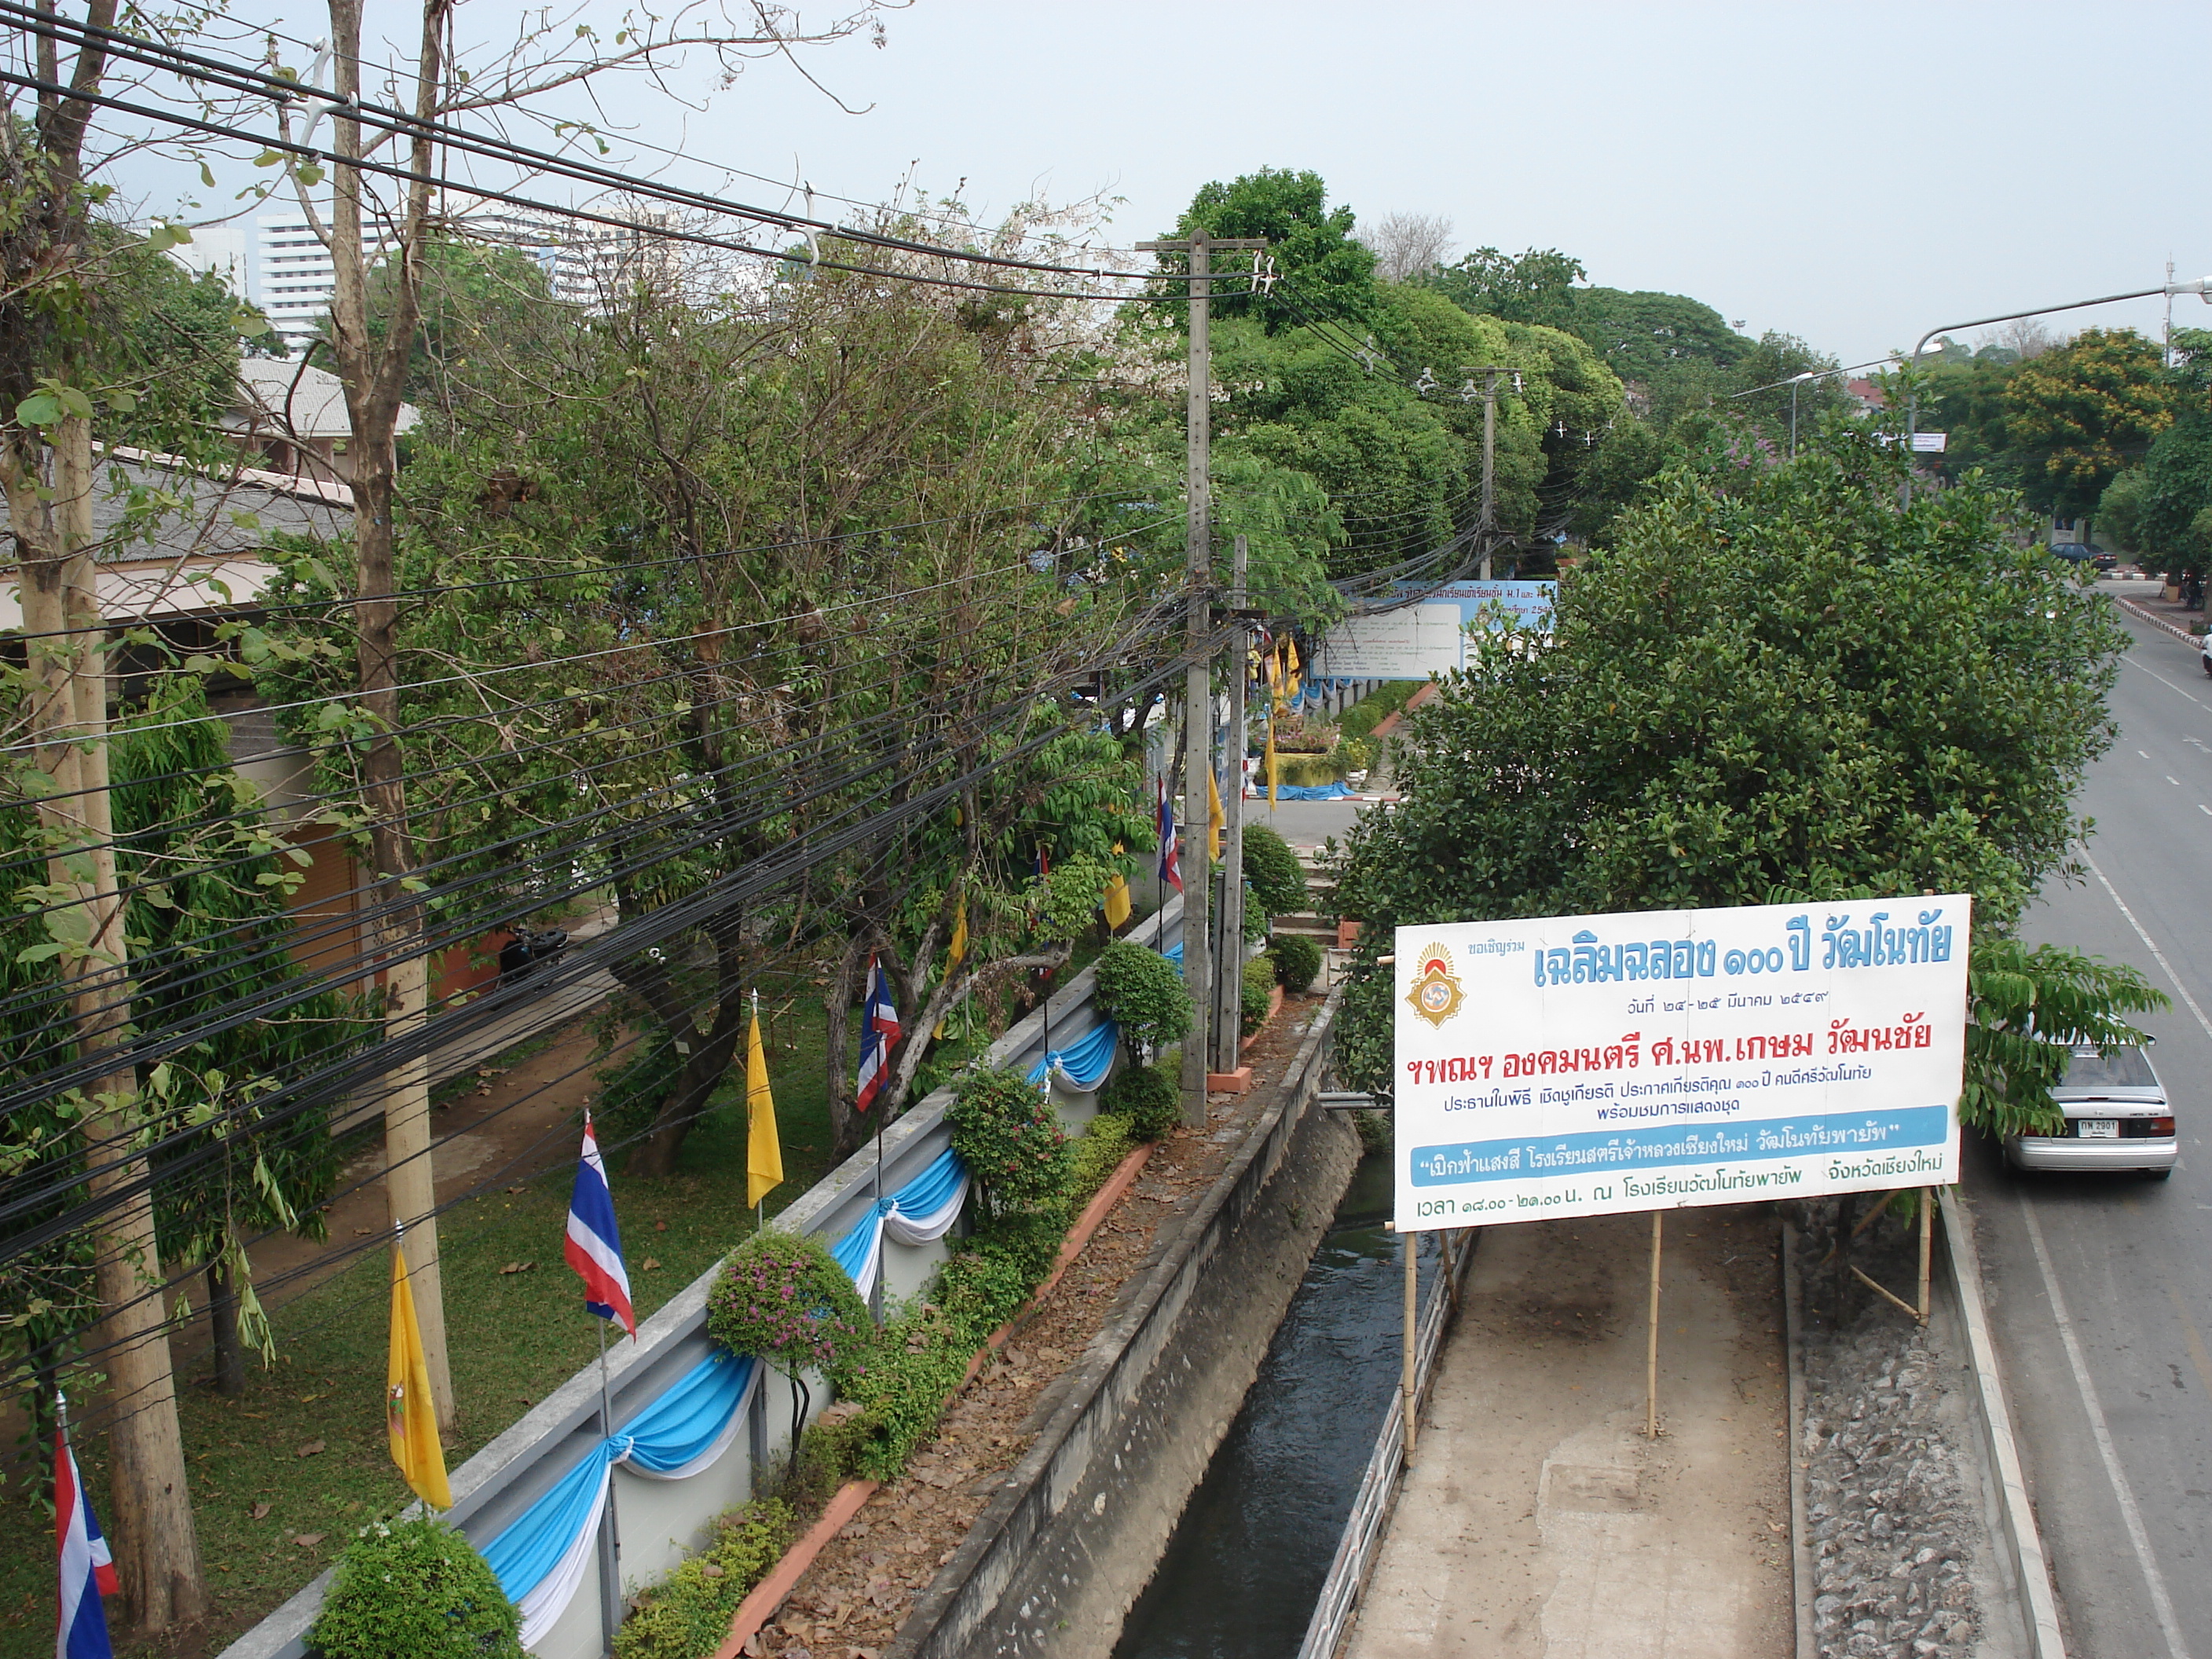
{"x":1805,"y":379}
{"x":1797,"y":380}
{"x":2202,"y":287}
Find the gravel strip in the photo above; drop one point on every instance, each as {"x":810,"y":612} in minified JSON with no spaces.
{"x":1896,"y":1528}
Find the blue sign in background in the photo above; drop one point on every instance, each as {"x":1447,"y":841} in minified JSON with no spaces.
{"x":1524,"y":1157}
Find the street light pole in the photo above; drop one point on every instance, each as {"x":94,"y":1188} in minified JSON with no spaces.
{"x":1797,"y":380}
{"x":2202,"y":287}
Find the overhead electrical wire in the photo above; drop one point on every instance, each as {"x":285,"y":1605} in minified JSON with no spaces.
{"x":369,"y":916}
{"x":650,"y":929}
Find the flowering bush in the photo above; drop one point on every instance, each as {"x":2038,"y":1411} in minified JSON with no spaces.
{"x":1007,"y":1134}
{"x":784,"y":1298}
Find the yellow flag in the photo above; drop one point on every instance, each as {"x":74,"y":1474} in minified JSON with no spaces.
{"x":1275,"y":680}
{"x":953,"y":954}
{"x":411,"y":1416}
{"x":763,"y":1147}
{"x":1274,"y":771}
{"x":1216,"y":819}
{"x":1292,"y":646}
{"x":1116,"y":902}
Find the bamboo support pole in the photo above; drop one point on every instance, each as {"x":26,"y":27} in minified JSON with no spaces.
{"x":1651,"y":1347}
{"x":1412,"y":1245}
{"x":1927,"y":1243}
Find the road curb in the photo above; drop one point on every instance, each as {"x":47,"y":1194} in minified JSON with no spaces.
{"x":1800,"y":1543}
{"x":2155,"y":619}
{"x":2023,"y":1539}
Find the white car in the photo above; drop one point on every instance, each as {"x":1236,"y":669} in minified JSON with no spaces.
{"x":2117,"y":1118}
{"x":2205,"y":652}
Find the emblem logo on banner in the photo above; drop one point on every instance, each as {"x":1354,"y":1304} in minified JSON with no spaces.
{"x":1436,"y":996}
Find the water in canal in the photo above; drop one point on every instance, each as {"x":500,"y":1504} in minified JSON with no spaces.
{"x":1245,"y":1567}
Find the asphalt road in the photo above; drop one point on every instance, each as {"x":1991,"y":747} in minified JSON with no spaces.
{"x":2101,"y":1288}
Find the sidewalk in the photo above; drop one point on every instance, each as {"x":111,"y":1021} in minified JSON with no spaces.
{"x":1537,"y":1522}
{"x":519,"y":1026}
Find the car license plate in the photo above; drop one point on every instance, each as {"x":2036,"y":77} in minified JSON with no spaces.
{"x":2099,"y":1128}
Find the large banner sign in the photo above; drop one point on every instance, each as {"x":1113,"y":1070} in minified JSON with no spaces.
{"x":1589,"y":1065}
{"x":1416,"y":641}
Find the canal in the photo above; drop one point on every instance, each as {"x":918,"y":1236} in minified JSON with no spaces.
{"x":1243,"y":1571}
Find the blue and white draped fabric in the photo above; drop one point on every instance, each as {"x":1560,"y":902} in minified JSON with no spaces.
{"x":919,"y":1212}
{"x":1084,"y":1062}
{"x":1173,"y":953}
{"x":542,"y":1556}
{"x":1313,"y":791}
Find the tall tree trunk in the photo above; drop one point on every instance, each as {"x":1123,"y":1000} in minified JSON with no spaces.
{"x":849,"y":1128}
{"x":372,"y":372}
{"x":155,"y":1545}
{"x":222,"y":1325}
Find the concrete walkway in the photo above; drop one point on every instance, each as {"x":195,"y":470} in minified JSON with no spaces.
{"x":1538,"y":1520}
{"x":518,"y":1024}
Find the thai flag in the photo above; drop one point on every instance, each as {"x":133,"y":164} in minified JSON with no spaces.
{"x":879,"y":1034}
{"x":88,"y":1573}
{"x":594,"y":1247}
{"x":1170,"y":865}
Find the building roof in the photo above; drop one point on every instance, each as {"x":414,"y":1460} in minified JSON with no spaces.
{"x":204,"y":552}
{"x":282,"y":396}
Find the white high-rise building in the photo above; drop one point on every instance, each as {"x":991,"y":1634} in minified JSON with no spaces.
{"x":293,"y":276}
{"x":583,"y":262}
{"x":218,"y":248}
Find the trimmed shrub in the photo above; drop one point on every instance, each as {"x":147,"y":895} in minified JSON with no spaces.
{"x":408,"y":1588}
{"x":688,"y":1612}
{"x":1007,"y":1134}
{"x":1255,"y":994}
{"x":1272,"y":871}
{"x":1370,"y":711}
{"x":1099,"y":1151}
{"x":1148,"y":1098}
{"x":1140,"y":991}
{"x":1297,"y":959}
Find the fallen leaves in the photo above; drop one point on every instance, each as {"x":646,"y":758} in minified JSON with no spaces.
{"x":649,"y":1264}
{"x":259,"y":1512}
{"x":307,"y":1541}
{"x":516,"y":1268}
{"x":311,"y":1449}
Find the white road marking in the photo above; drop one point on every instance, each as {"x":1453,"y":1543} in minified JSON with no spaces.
{"x":2203,"y":808}
{"x":2173,"y":780}
{"x":2149,"y":944}
{"x":2163,"y":681}
{"x":2140,"y":752}
{"x":2161,"y":1603}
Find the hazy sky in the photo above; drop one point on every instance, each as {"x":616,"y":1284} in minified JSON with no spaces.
{"x":1854,"y":173}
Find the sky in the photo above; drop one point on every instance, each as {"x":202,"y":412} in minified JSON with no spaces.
{"x":1855,"y":175}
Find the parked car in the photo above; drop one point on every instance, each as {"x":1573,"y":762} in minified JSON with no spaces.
{"x":2205,"y":652}
{"x":2117,"y":1118}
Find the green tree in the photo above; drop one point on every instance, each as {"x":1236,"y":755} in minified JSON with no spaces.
{"x":2079,"y":415}
{"x":1311,"y":242}
{"x":1966,"y":400}
{"x":2161,"y":502}
{"x":485,"y":315}
{"x":1535,"y":287}
{"x":1775,"y":686}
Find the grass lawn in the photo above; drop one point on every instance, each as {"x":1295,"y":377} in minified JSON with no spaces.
{"x":283,"y":1476}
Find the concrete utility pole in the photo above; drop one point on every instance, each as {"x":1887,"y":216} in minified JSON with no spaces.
{"x":1490,"y":372}
{"x":1229,"y":995}
{"x":1198,"y":683}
